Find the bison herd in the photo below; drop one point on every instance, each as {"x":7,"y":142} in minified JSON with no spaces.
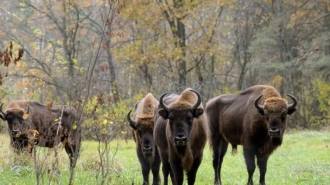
{"x":172,"y":131}
{"x":175,"y":131}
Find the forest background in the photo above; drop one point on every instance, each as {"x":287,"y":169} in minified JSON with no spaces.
{"x":104,"y":56}
{"x":107,"y":55}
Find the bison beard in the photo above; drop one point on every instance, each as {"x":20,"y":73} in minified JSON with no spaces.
{"x":255,"y":118}
{"x":43,"y":126}
{"x":180,"y":134}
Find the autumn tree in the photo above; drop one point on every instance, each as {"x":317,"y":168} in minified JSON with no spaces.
{"x":170,"y":43}
{"x":288,"y":48}
{"x":65,"y":44}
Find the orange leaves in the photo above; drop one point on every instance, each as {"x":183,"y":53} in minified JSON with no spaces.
{"x":49,"y":106}
{"x":20,"y":55}
{"x":6,"y":57}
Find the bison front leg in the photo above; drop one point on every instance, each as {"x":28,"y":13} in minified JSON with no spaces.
{"x":145,"y":166}
{"x":155,"y":171}
{"x":72,"y":149}
{"x":145,"y":173}
{"x":166,"y":167}
{"x":177,"y":171}
{"x":70,"y":153}
{"x":249,"y":155}
{"x":193,"y":171}
{"x":262,"y":164}
{"x":166,"y":171}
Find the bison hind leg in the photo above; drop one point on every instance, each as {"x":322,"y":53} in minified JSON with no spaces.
{"x":155,"y":170}
{"x":220,"y":147}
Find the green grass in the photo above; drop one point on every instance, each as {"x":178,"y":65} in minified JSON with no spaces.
{"x":303,"y":158}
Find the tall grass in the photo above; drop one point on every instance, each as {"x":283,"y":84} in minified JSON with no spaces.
{"x":303,"y":158}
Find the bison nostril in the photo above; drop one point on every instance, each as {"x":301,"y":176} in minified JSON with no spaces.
{"x":180,"y":137}
{"x":273,"y":131}
{"x":147,"y":149}
{"x":180,"y":140}
{"x":16,"y":131}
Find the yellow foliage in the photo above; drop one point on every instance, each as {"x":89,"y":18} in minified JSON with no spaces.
{"x":277,"y":81}
{"x":25,"y":116}
{"x":323,"y":97}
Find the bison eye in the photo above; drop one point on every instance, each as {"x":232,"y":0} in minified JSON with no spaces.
{"x":139,"y":132}
{"x":170,"y":117}
{"x":267,"y":118}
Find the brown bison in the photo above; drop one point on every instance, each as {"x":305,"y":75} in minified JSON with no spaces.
{"x":31,"y":123}
{"x":143,"y":125}
{"x":180,"y":134}
{"x":255,"y":118}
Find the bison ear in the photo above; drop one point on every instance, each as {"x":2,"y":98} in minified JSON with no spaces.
{"x":290,"y":111}
{"x":163,"y":113}
{"x":197,"y":112}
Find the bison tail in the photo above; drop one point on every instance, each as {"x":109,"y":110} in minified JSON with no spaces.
{"x":234,"y":149}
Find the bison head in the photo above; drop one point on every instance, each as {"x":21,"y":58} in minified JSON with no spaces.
{"x":275,"y":110}
{"x":15,"y":119}
{"x":143,"y":128}
{"x":180,"y":119}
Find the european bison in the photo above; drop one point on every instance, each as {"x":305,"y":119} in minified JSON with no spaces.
{"x":143,"y":125}
{"x":255,"y":118}
{"x":31,"y":123}
{"x":180,"y":134}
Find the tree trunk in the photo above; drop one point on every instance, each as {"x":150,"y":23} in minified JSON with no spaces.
{"x":112,"y":71}
{"x":181,"y":43}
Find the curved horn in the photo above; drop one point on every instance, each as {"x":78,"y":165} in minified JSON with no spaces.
{"x":199,"y":100}
{"x":131,"y":122}
{"x":161,"y":103}
{"x":1,"y":109}
{"x":258,"y":106}
{"x":4,"y":114}
{"x":294,"y":104}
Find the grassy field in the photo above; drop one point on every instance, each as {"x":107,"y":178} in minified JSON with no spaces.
{"x":303,"y":158}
